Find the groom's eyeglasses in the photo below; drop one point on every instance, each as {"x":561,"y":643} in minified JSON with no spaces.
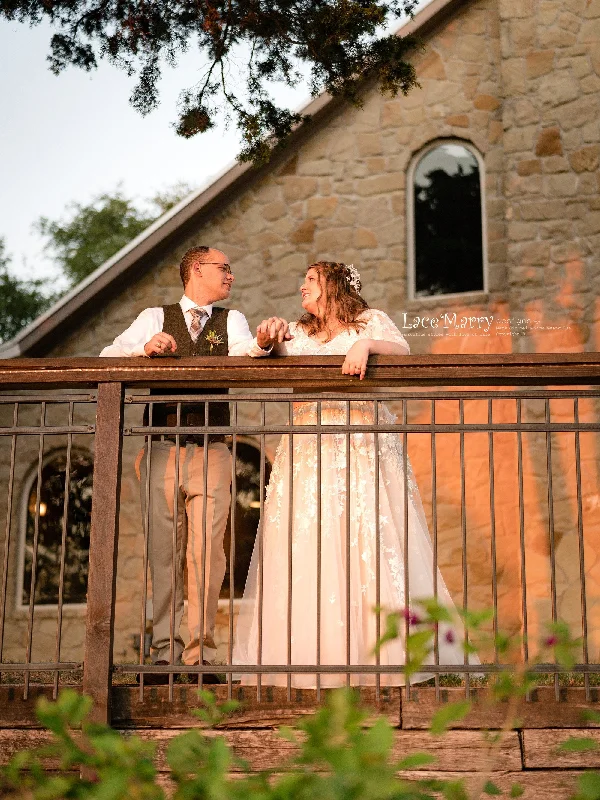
{"x":224,"y":267}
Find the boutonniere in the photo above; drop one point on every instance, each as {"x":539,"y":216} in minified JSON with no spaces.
{"x":213,"y":339}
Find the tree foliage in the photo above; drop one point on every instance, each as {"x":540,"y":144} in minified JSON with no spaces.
{"x":87,"y":237}
{"x":243,"y":47}
{"x":90,"y":234}
{"x":20,"y":301}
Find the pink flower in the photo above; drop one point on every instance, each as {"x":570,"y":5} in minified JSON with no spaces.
{"x":450,"y":637}
{"x":411,"y":617}
{"x":550,"y":641}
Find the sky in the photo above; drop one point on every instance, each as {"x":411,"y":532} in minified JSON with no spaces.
{"x":71,"y":137}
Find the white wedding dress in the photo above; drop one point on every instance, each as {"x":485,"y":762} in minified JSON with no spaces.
{"x":274,"y":533}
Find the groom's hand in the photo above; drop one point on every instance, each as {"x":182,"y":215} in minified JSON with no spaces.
{"x":271,"y":331}
{"x":160,"y":344}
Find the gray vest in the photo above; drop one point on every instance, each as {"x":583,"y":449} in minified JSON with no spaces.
{"x":213,"y":341}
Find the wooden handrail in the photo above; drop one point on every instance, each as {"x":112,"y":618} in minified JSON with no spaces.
{"x":318,"y":372}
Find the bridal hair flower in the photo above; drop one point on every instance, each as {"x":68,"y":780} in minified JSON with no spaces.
{"x":353,"y":277}
{"x":213,"y":339}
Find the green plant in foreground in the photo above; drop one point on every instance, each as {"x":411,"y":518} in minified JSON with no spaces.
{"x":338,"y":753}
{"x":117,"y":766}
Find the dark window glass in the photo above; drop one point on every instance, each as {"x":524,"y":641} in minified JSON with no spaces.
{"x":50,"y":528}
{"x":247,"y":515}
{"x":448,"y":229}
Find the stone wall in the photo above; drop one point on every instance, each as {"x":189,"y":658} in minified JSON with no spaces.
{"x":551,"y":116}
{"x":520,"y":80}
{"x":550,"y":70}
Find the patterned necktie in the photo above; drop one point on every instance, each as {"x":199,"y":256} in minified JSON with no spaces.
{"x":199,"y":317}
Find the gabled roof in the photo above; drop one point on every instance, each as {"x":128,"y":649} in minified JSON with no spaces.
{"x":84,"y":298}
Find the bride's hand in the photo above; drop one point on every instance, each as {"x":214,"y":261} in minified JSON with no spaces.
{"x":272,"y":330}
{"x":356,"y":359}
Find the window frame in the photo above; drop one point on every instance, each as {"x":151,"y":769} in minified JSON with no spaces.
{"x":48,"y":609}
{"x":410,"y":223}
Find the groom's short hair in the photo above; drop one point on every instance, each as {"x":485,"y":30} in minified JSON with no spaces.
{"x":191,"y":257}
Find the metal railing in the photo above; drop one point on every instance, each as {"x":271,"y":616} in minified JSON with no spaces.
{"x":507,"y":477}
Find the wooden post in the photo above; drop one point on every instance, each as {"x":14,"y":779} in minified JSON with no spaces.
{"x":104,"y":542}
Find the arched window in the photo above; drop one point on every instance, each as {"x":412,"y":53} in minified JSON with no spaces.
{"x":50,"y":524}
{"x":247,"y":514}
{"x":446,"y":232}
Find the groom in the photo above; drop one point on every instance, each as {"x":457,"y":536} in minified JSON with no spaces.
{"x":192,"y":327}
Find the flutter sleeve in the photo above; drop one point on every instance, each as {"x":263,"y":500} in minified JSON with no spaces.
{"x":380,"y":326}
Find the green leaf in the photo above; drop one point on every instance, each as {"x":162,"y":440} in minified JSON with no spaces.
{"x":379,"y":738}
{"x":419,"y":641}
{"x":588,"y":786}
{"x":491,"y":788}
{"x":503,"y":643}
{"x":56,"y":786}
{"x":455,"y":790}
{"x":286,"y":732}
{"x":436,"y":611}
{"x":415,"y":760}
{"x":577,"y":745}
{"x":453,"y":712}
{"x":390,"y":633}
{"x":475,"y":619}
{"x":516,"y":790}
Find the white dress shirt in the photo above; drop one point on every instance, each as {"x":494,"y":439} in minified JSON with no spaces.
{"x":150,"y":321}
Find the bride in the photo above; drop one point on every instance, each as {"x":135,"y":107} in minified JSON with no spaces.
{"x":337,"y":321}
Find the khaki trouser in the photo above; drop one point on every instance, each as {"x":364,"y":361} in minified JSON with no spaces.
{"x":168,"y":606}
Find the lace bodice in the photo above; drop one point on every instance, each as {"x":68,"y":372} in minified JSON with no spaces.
{"x":378,"y":326}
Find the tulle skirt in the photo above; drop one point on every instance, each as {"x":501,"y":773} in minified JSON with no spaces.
{"x":284,"y":619}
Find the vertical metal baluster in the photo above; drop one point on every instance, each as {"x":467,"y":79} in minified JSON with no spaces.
{"x":261,"y":553}
{"x":63,"y":548}
{"x":348,"y":489}
{"x":551,"y":532}
{"x":584,"y":624}
{"x":232,"y":545}
{"x":204,"y":536}
{"x":522,"y":537}
{"x":463,"y":524}
{"x":146,"y":523}
{"x":36,"y":531}
{"x":174,"y":560}
{"x":319,"y":533}
{"x":290,"y":542}
{"x":377,"y":552}
{"x":11,"y":483}
{"x":405,"y":542}
{"x":493,"y":528}
{"x":434,"y":521}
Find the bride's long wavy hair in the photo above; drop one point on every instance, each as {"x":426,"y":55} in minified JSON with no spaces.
{"x":342,"y":301}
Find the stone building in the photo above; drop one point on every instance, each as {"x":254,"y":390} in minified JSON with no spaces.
{"x":507,"y":117}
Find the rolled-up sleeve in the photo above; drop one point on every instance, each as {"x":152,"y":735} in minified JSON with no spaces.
{"x":131,"y":342}
{"x":241,"y":341}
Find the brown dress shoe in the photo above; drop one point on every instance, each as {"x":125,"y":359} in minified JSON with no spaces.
{"x":157,"y":678}
{"x":207,"y":677}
